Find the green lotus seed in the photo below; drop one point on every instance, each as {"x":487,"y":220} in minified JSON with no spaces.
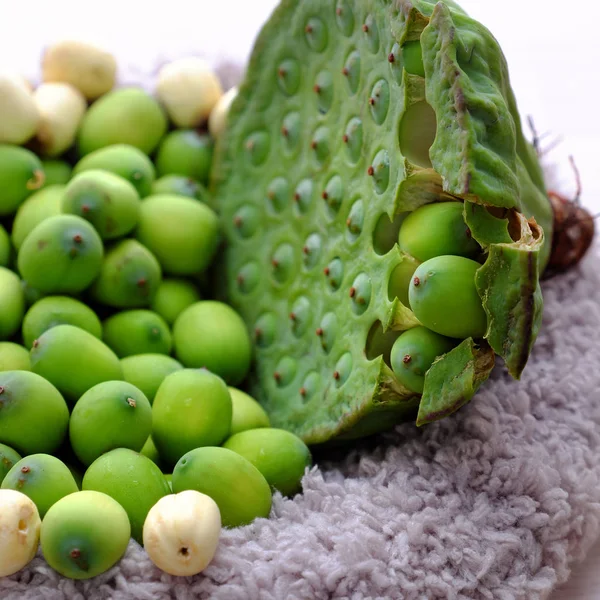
{"x":57,"y":172}
{"x":12,"y":301}
{"x":303,"y":196}
{"x":288,"y":76}
{"x":147,"y":371}
{"x":379,"y":101}
{"x":371,"y":32}
{"x":351,"y":71}
{"x":180,"y":185}
{"x":172,"y":297}
{"x":324,"y":90}
{"x":278,"y":197}
{"x":401,"y":278}
{"x":344,"y":17}
{"x":5,"y":248}
{"x":248,"y":277}
{"x":185,"y":152}
{"x":14,"y":357}
{"x":290,"y":130}
{"x":316,"y":34}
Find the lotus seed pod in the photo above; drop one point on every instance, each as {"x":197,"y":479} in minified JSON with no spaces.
{"x":217,"y":120}
{"x":247,"y":413}
{"x":413,"y":354}
{"x":183,"y":234}
{"x":73,"y":360}
{"x":435,"y":230}
{"x":211,"y":334}
{"x":12,"y":301}
{"x":129,"y":277}
{"x":41,"y":205}
{"x":58,"y":310}
{"x":192,"y":408}
{"x":173,"y":297}
{"x":86,"y":67}
{"x":8,"y":458}
{"x":43,"y":478}
{"x":112,"y":414}
{"x":62,"y":255}
{"x":14,"y":357}
{"x":181,"y":533}
{"x":111,"y":474}
{"x":21,"y":173}
{"x":233,"y":482}
{"x":80,"y":547}
{"x":444,"y":298}
{"x":38,"y":417}
{"x":124,"y":116}
{"x":185,"y":152}
{"x":57,"y":172}
{"x":109,"y":202}
{"x":19,"y":115}
{"x":5,"y":248}
{"x":137,"y":332}
{"x":61,"y":107}
{"x":19,"y":531}
{"x":180,"y":186}
{"x":189,"y":89}
{"x":148,"y":371}
{"x":124,"y":160}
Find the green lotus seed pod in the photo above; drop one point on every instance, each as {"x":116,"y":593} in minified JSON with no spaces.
{"x":8,"y":458}
{"x":124,"y":116}
{"x":129,"y":277}
{"x":41,"y":205}
{"x":137,"y":332}
{"x":211,"y":334}
{"x":57,"y":172}
{"x":73,"y":360}
{"x":109,"y":202}
{"x":58,"y":310}
{"x":279,"y":455}
{"x":111,"y":474}
{"x":436,"y":230}
{"x":62,"y":255}
{"x":43,"y":478}
{"x":180,"y":186}
{"x":192,"y":408}
{"x":84,"y":534}
{"x":113,"y":414}
{"x":33,"y":415}
{"x":124,"y":160}
{"x":148,"y":371}
{"x":180,"y":232}
{"x":444,"y":298}
{"x":12,"y":301}
{"x":14,"y":357}
{"x":233,"y":482}
{"x":21,"y":173}
{"x":247,"y":413}
{"x":185,"y":152}
{"x":173,"y":297}
{"x":5,"y":248}
{"x":413,"y":354}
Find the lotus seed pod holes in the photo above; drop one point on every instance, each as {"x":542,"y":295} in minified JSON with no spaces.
{"x":330,"y":144}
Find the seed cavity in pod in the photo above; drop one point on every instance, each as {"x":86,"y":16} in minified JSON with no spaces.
{"x":248,"y":277}
{"x":360,"y":293}
{"x":413,"y":58}
{"x":311,"y":251}
{"x":303,"y":196}
{"x":371,"y":33}
{"x":333,"y":194}
{"x":334,"y":272}
{"x":385,"y":233}
{"x":344,"y":17}
{"x":256,"y":147}
{"x":285,"y":371}
{"x":380,"y":343}
{"x":353,"y":139}
{"x":343,"y":368}
{"x":417,"y":132}
{"x":351,"y":71}
{"x":290,"y":130}
{"x":264,"y":330}
{"x":300,"y":315}
{"x":380,"y":171}
{"x":316,"y":35}
{"x":379,"y":101}
{"x":282,"y":263}
{"x":355,"y":220}
{"x":278,"y":194}
{"x":324,"y":90}
{"x":320,"y":144}
{"x":288,"y":76}
{"x":246,"y":221}
{"x":328,"y":331}
{"x":310,"y":386}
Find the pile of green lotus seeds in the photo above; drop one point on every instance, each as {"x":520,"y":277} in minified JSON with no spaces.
{"x":121,"y":408}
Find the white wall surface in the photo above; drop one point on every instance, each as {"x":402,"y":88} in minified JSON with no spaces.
{"x":552,"y":48}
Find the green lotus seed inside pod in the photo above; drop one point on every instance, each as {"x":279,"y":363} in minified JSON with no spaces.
{"x":413,"y":354}
{"x":444,"y":298}
{"x":435,"y":230}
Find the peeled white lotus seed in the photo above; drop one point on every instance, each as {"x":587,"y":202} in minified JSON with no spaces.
{"x":89,"y":69}
{"x":181,"y":532}
{"x":61,"y":108}
{"x":19,"y":531}
{"x":188,"y":89}
{"x":218,"y":116}
{"x":19,"y":116}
